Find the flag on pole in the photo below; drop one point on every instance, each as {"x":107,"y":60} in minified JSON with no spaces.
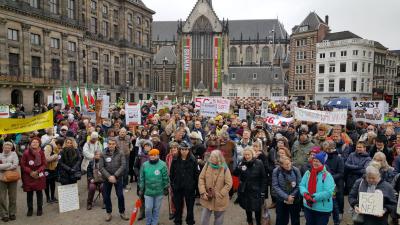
{"x":86,"y":98}
{"x":78,"y":97}
{"x":64,"y":95}
{"x":70,"y":98}
{"x":92,"y":96}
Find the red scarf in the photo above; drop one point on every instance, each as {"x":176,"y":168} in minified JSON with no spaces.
{"x":312,"y":181}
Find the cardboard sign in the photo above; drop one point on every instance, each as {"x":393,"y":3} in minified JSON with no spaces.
{"x":223,"y":105}
{"x":371,"y":203}
{"x":338,"y":117}
{"x":276,"y":120}
{"x":58,"y":97}
{"x":369,"y":111}
{"x":68,"y":198}
{"x":164,"y":104}
{"x":101,"y":94}
{"x":132,"y":114}
{"x":105,"y":106}
{"x":208,"y":109}
{"x":199,"y":101}
{"x":4,"y":111}
{"x":242,"y":114}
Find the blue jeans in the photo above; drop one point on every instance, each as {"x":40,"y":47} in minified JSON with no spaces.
{"x":107,"y":187}
{"x":152,"y":209}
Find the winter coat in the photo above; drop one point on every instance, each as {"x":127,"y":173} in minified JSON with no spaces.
{"x":300,"y":152}
{"x":51,"y":152}
{"x":184,"y":174}
{"x":388,"y":175}
{"x":69,"y":168}
{"x":343,"y":149}
{"x":335,"y":166}
{"x":388,"y":153}
{"x":233,"y":133}
{"x":252,"y":184}
{"x":389,"y":200}
{"x":162,"y":148}
{"x":238,"y":154}
{"x":153,"y":178}
{"x":88,"y":152}
{"x":285,"y":183}
{"x":198,"y":151}
{"x":396,"y":164}
{"x":8,"y":162}
{"x":228,"y":150}
{"x":355,"y":167}
{"x":220,"y":180}
{"x":124,"y":144}
{"x":324,"y":192}
{"x":27,"y":166}
{"x":112,"y":164}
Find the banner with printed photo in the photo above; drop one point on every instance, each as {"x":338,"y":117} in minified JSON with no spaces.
{"x":272,"y":119}
{"x":132,"y":114}
{"x":264,"y":109}
{"x":58,"y":98}
{"x":337,"y":117}
{"x":186,"y":65}
{"x":369,"y":111}
{"x":208,"y":110}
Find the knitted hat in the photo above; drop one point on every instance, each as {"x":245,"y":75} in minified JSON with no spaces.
{"x":316,"y":149}
{"x":322,"y":157}
{"x":154,"y":152}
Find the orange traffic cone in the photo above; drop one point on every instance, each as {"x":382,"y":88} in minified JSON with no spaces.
{"x":138,"y":204}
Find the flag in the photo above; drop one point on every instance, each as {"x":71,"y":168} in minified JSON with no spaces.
{"x":86,"y":98}
{"x":92,"y":96}
{"x":64,"y":95}
{"x":70,"y":98}
{"x":78,"y":97}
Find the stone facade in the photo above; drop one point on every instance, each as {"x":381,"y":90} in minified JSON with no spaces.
{"x":104,"y":44}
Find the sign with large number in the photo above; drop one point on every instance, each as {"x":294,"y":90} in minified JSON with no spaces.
{"x":371,"y":203}
{"x":208,"y":109}
{"x":132,"y":114}
{"x":223,"y":104}
{"x":186,"y":51}
{"x":336,"y":117}
{"x":276,"y":120}
{"x":68,"y":198}
{"x":164,"y":104}
{"x":369,"y":111}
{"x":217,"y":63}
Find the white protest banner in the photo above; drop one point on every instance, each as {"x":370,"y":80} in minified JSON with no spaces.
{"x":242,"y":114}
{"x":398,"y":104}
{"x":132,"y":114}
{"x":368,"y":111}
{"x":338,"y":117}
{"x":4,"y":111}
{"x":68,"y":198}
{"x":101,"y":93}
{"x":371,"y":203}
{"x":105,"y":107}
{"x":272,"y":119}
{"x":264,"y":109}
{"x":164,"y":104}
{"x":223,"y":105}
{"x":58,"y":97}
{"x":208,"y":109}
{"x":200,"y":100}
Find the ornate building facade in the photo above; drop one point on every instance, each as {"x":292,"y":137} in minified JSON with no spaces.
{"x":206,"y":48}
{"x":47,"y":44}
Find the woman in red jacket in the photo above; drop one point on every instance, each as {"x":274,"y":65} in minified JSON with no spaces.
{"x":33,"y":165}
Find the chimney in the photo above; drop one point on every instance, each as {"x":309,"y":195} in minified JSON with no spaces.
{"x":327,"y":20}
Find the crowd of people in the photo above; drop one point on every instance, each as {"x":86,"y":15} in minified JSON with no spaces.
{"x":294,"y":169}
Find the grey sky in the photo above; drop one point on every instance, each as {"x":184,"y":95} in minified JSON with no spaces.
{"x":370,"y":19}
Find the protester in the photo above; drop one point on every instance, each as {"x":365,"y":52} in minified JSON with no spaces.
{"x":317,"y":187}
{"x":173,"y":152}
{"x":184,"y":174}
{"x":215,"y":181}
{"x":9,"y":177}
{"x":154,"y":183}
{"x":69,"y":162}
{"x":112,"y":167}
{"x":387,"y":172}
{"x":285,"y":183}
{"x":94,"y":178}
{"x":33,"y":165}
{"x":301,"y":149}
{"x":370,"y":183}
{"x":125,"y":146}
{"x":89,"y":148}
{"x":381,"y":146}
{"x":52,"y":151}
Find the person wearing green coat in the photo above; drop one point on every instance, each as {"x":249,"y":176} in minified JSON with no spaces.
{"x":153,"y":184}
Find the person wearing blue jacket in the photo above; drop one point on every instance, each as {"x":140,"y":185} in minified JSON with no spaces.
{"x":317,"y":188}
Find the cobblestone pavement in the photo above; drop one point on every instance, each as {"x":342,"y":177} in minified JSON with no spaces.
{"x":234,"y":215}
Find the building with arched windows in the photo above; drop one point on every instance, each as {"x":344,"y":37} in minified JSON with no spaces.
{"x":204,"y":50}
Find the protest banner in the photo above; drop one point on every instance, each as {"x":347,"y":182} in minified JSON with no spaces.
{"x":14,"y":126}
{"x":97,"y":106}
{"x":337,"y":117}
{"x":242,"y":114}
{"x":208,"y":109}
{"x":200,"y":100}
{"x":272,"y":119}
{"x":132,"y":114}
{"x":371,"y":203}
{"x":164,"y":104}
{"x":4,"y":111}
{"x":100,"y":94}
{"x":68,"y":198}
{"x":368,"y":111}
{"x":105,"y":106}
{"x":58,"y":97}
{"x":223,"y":105}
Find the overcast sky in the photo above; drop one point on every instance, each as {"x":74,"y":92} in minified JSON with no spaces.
{"x":370,"y":19}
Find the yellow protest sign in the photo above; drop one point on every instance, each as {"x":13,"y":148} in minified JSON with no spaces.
{"x":13,"y":126}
